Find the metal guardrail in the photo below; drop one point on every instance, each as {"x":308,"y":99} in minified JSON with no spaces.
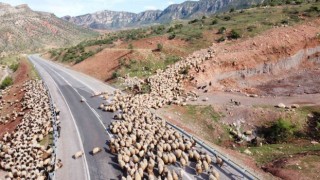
{"x":54,"y":124}
{"x":246,"y":173}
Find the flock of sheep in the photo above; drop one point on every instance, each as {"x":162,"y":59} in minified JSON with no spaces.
{"x":14,"y":115}
{"x":144,"y":143}
{"x":21,"y":154}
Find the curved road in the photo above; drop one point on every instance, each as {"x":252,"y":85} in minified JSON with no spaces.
{"x":84,"y":128}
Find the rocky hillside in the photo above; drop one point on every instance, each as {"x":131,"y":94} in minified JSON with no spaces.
{"x":114,"y":20}
{"x":22,"y":29}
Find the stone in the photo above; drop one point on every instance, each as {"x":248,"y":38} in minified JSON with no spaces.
{"x":248,"y":132}
{"x":281,"y":105}
{"x":247,"y":152}
{"x":295,"y":106}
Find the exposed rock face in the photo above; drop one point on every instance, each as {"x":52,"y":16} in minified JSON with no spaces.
{"x":189,"y":9}
{"x":22,"y":29}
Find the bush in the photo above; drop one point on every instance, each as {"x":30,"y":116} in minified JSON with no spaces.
{"x":159,"y":47}
{"x":227,"y":18}
{"x":215,"y":21}
{"x":221,"y":39}
{"x":204,"y":17}
{"x":172,"y":36}
{"x":193,"y":21}
{"x":234,"y":34}
{"x":280,"y":131}
{"x":232,"y":10}
{"x":251,"y":28}
{"x":130,"y":46}
{"x":14,"y":67}
{"x":6,"y":82}
{"x":115,"y":75}
{"x":284,"y":21}
{"x":221,"y":30}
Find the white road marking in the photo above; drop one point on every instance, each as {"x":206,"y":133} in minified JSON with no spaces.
{"x":93,"y":111}
{"x":78,"y":133}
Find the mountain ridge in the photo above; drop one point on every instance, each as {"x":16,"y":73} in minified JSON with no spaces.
{"x":189,"y":9}
{"x":22,"y":29}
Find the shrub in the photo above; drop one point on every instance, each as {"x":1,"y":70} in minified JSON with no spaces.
{"x":227,"y":18}
{"x":130,"y":46}
{"x":215,"y":21}
{"x":159,"y":47}
{"x":172,"y":36}
{"x":232,"y":10}
{"x":6,"y":82}
{"x":221,"y":30}
{"x":221,"y":39}
{"x":234,"y":34}
{"x":251,"y":28}
{"x":193,"y":21}
{"x":14,"y":67}
{"x":178,"y":26}
{"x":115,"y":75}
{"x":280,"y":131}
{"x":204,"y":17}
{"x":171,"y":29}
{"x":284,"y":21}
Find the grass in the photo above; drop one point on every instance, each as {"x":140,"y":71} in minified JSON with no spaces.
{"x":8,"y":81}
{"x":204,"y":122}
{"x":145,"y":68}
{"x":33,"y":72}
{"x":270,"y":152}
{"x":47,"y":140}
{"x":9,"y":60}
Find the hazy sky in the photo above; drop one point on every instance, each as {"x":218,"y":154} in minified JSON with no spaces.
{"x":79,"y":7}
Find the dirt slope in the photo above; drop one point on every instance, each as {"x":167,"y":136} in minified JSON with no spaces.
{"x":269,"y":47}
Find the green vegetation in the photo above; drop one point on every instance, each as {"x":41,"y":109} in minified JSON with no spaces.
{"x":234,"y":34}
{"x":47,"y":140}
{"x":206,"y":112}
{"x":280,"y":131}
{"x":14,"y":67}
{"x":8,"y":81}
{"x":205,"y":122}
{"x":143,"y":68}
{"x":159,"y":47}
{"x":270,"y":152}
{"x":198,"y":32}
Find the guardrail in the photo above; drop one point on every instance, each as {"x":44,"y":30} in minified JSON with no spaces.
{"x":54,"y":124}
{"x":246,"y":173}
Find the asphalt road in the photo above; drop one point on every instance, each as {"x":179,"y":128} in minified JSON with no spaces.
{"x":89,"y":125}
{"x":84,"y":127}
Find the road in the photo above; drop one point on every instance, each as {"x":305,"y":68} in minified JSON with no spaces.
{"x":84,"y":128}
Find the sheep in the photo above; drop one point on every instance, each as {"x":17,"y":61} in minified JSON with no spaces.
{"x":96,"y":150}
{"x":219,"y":161}
{"x":78,"y":154}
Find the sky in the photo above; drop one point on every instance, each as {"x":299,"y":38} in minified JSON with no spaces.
{"x":80,"y":7}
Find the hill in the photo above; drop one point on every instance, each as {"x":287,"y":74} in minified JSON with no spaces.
{"x":189,"y":9}
{"x":25,"y":30}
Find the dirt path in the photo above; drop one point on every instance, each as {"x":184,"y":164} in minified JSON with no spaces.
{"x":223,"y":98}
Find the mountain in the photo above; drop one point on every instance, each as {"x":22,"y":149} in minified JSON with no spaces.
{"x":25,"y":30}
{"x":189,"y":9}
